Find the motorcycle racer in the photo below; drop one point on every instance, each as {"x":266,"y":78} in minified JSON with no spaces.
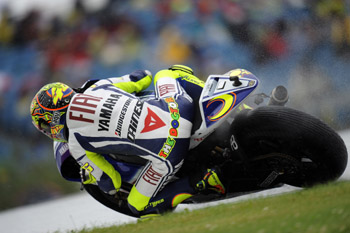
{"x":106,"y":116}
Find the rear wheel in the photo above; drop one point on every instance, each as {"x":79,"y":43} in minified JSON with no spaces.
{"x":288,"y":146}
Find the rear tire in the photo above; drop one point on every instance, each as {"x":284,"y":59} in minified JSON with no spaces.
{"x":317,"y":151}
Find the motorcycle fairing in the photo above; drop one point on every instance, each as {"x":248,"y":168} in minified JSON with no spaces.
{"x":220,"y":95}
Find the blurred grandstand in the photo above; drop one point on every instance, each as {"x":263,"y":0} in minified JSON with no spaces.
{"x":304,"y":45}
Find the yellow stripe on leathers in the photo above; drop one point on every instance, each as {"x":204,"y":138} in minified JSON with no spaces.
{"x":138,"y":200}
{"x":106,"y":167}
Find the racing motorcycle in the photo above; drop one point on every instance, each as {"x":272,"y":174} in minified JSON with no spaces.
{"x":256,"y":149}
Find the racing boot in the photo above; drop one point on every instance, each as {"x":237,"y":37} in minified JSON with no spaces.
{"x":210,"y":181}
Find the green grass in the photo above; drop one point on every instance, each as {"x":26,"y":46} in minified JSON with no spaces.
{"x":321,"y":209}
{"x":27,"y":185}
{"x":28,"y":172}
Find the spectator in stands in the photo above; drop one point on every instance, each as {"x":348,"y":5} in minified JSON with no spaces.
{"x":6,"y":27}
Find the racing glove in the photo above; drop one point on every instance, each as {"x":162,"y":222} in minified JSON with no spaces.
{"x":135,"y":82}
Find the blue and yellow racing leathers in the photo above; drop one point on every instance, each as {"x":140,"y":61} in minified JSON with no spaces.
{"x":109,"y":119}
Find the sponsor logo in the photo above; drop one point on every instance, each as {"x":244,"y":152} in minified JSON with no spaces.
{"x":167,"y":147}
{"x":166,"y":88}
{"x":118,"y":130}
{"x":170,"y":141}
{"x":152,"y":122}
{"x":83,"y":108}
{"x":154,"y":203}
{"x":151,"y":176}
{"x":106,"y":112}
{"x":134,"y":121}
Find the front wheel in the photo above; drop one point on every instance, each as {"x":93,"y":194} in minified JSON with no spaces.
{"x":288,"y":146}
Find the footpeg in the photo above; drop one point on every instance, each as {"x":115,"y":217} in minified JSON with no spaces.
{"x":271,"y":178}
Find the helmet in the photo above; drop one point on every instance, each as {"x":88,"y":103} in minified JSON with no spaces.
{"x":48,"y":110}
